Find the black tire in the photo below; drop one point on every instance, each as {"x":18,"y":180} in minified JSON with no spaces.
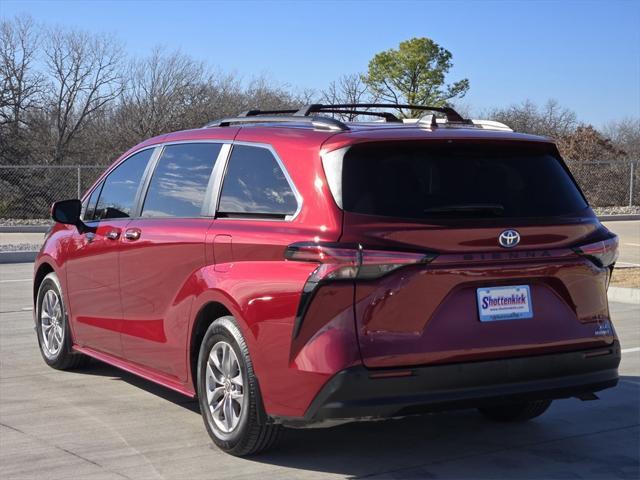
{"x":516,"y":412}
{"x":253,"y":433}
{"x":63,"y":358}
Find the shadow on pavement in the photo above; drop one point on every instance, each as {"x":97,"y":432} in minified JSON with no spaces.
{"x":590,"y":439}
{"x":98,"y":368}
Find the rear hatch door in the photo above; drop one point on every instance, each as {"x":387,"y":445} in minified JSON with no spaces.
{"x":503,"y":220}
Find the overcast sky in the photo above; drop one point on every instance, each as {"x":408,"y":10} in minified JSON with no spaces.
{"x":586,"y":54}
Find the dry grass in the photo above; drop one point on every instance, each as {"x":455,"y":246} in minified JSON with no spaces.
{"x":626,"y":277}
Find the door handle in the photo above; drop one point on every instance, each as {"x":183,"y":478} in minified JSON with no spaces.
{"x":113,"y":234}
{"x":132,"y":234}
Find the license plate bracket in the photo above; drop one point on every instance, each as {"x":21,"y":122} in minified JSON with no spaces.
{"x":504,"y":303}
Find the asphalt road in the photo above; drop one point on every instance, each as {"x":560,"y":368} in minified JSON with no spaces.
{"x":101,"y":423}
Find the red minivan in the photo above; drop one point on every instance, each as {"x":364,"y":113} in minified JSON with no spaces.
{"x":291,"y":269}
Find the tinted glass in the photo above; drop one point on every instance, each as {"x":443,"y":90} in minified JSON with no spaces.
{"x":180,"y":180}
{"x":91,"y":203}
{"x":120,"y":187}
{"x":443,"y":180}
{"x":255,"y":184}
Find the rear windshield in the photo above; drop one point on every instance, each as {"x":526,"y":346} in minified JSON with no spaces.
{"x":426,"y":181}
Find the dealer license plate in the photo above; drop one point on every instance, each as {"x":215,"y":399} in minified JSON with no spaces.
{"x":504,"y":303}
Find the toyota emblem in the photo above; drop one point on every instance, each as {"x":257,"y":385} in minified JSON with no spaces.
{"x":509,"y":238}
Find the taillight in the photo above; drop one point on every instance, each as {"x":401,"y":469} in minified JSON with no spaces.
{"x":603,"y":253}
{"x":344,"y":262}
{"x":339,"y":262}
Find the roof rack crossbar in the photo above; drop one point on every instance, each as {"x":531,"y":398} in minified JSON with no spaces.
{"x":450,"y":113}
{"x":253,"y":113}
{"x":388,"y":116}
{"x":323,"y":123}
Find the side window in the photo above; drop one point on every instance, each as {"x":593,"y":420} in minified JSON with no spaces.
{"x":91,"y":203}
{"x":179,"y":182}
{"x":120,"y":187}
{"x":254,"y":184}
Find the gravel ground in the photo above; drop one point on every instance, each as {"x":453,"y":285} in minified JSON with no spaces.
{"x":11,"y":222}
{"x":21,"y":247}
{"x":626,"y":277}
{"x":634,"y":210}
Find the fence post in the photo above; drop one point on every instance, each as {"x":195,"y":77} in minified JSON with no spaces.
{"x":632,"y":164}
{"x":79,"y":186}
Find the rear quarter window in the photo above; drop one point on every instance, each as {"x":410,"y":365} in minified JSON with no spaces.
{"x":255,"y":185}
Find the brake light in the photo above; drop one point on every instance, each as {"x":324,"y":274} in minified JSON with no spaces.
{"x":344,"y":262}
{"x":603,"y":253}
{"x":339,"y":262}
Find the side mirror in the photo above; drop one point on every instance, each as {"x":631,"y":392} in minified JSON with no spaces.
{"x":68,"y":212}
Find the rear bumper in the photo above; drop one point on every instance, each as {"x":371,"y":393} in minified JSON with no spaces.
{"x":354,"y":394}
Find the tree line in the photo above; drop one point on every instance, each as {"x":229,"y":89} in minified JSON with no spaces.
{"x":73,"y":97}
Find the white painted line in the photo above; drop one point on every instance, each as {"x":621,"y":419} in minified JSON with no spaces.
{"x":26,"y":309}
{"x":632,"y":244}
{"x":14,"y":281}
{"x":630,"y":350}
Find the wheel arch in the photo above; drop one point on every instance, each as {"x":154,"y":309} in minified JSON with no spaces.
{"x":43,"y":270}
{"x":206,"y":315}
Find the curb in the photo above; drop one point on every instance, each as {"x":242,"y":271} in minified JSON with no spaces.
{"x":18,"y":257}
{"x":624,"y":295}
{"x":613,"y":218}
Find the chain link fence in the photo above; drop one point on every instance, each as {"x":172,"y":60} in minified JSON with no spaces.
{"x":609,"y":184}
{"x":27,"y":191}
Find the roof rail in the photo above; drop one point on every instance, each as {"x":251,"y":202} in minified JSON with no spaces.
{"x":321,"y":123}
{"x":491,"y":125}
{"x":305,"y":115}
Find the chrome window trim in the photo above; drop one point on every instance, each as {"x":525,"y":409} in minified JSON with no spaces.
{"x":214,"y":187}
{"x":143,"y":188}
{"x":212,"y":197}
{"x":292,"y":186}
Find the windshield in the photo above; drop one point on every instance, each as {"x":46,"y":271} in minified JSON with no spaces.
{"x":436,"y":180}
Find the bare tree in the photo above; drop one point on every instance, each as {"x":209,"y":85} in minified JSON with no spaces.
{"x":551,"y":120}
{"x":161,"y":89}
{"x":625,"y":134}
{"x":348,"y":88}
{"x":21,"y":88}
{"x":86,"y":75}
{"x":21,"y":85}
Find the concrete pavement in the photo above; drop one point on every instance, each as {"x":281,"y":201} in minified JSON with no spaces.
{"x":101,"y":423}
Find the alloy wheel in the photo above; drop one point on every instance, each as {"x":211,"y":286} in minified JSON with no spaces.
{"x":51,"y":324}
{"x":225,"y":387}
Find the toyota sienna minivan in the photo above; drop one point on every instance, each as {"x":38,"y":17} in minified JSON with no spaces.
{"x":290,"y":269}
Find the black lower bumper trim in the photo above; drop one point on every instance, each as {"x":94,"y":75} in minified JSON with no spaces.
{"x":353,"y":394}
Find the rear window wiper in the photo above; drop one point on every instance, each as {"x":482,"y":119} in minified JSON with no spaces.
{"x":494,"y":208}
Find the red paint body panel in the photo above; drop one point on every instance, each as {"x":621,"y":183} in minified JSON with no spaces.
{"x":134,"y":303}
{"x":92,"y":286}
{"x":157,"y":291}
